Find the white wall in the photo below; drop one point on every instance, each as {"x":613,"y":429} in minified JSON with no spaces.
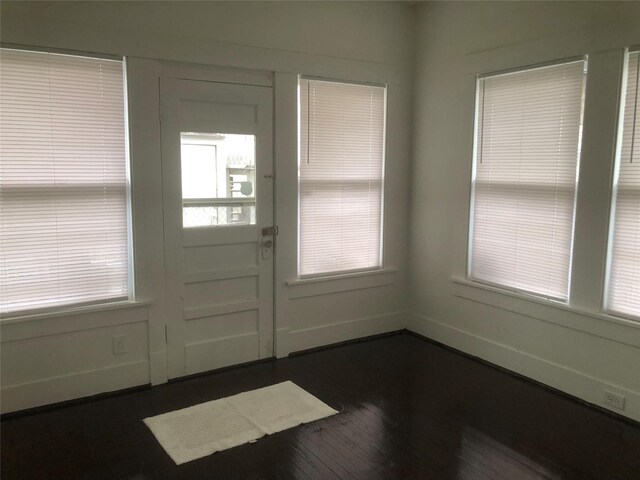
{"x":574,"y":349}
{"x":47,"y":359}
{"x":53,"y":358}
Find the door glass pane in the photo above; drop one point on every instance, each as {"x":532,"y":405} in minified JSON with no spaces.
{"x":218,"y":179}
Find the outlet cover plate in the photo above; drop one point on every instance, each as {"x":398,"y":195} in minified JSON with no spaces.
{"x":614,"y":400}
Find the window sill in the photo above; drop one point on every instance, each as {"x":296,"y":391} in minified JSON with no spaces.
{"x":72,"y":311}
{"x":595,"y":323}
{"x":313,"y":286}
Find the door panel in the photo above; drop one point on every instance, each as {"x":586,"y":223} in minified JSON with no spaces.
{"x":217,"y":167}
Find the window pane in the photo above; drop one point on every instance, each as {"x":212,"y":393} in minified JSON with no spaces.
{"x":63,"y":181}
{"x":199,"y":171}
{"x":340,"y":176}
{"x":218,"y":179}
{"x":623,"y":294}
{"x":529,"y":125}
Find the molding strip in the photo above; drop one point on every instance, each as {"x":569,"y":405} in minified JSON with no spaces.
{"x":214,"y":310}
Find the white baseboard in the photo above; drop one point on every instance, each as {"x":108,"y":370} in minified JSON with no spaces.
{"x":573,"y":382}
{"x":297,"y":340}
{"x":72,"y":386}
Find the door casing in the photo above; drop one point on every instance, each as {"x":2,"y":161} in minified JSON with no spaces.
{"x":202,"y":332}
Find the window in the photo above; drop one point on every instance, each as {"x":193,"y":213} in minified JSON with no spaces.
{"x":341,"y":176}
{"x":218,"y":179}
{"x":63,"y":181}
{"x":623,"y":287}
{"x":527,"y":149}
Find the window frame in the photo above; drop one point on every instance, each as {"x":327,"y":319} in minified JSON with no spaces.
{"x":130,"y":296}
{"x":472,"y":192}
{"x":381,"y":256}
{"x":605,"y":305}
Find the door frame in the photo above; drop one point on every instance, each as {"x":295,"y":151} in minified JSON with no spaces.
{"x":169,"y":75}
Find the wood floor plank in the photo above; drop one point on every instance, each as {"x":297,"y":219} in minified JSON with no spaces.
{"x":409,"y":409}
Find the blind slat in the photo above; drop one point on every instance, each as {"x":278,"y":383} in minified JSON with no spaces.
{"x":623,"y":293}
{"x":63,"y":181}
{"x":340,"y":176}
{"x":527,"y":143}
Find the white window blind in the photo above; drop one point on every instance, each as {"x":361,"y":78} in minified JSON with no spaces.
{"x":623,"y":294}
{"x":63,"y":181}
{"x":528,"y":134}
{"x":340,"y":176}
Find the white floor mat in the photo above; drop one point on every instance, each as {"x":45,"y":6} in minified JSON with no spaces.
{"x":210,"y":427}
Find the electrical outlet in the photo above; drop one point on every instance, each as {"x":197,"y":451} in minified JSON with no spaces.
{"x":613,"y":399}
{"x":119,"y":344}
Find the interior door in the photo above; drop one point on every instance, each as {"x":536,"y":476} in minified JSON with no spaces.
{"x":217,"y":168}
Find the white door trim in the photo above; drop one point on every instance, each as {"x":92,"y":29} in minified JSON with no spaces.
{"x":179,"y":96}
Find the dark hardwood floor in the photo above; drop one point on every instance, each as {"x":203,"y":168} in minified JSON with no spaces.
{"x":410,"y":409}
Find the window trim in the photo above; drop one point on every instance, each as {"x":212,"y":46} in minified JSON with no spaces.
{"x":131,"y":293}
{"x":472,"y":191}
{"x":622,"y":97}
{"x":64,"y":309}
{"x":339,"y":283}
{"x":104,"y":303}
{"x":381,"y":257}
{"x":62,"y":51}
{"x":533,"y":66}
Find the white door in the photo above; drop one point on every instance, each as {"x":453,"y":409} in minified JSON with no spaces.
{"x":217,"y":168}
